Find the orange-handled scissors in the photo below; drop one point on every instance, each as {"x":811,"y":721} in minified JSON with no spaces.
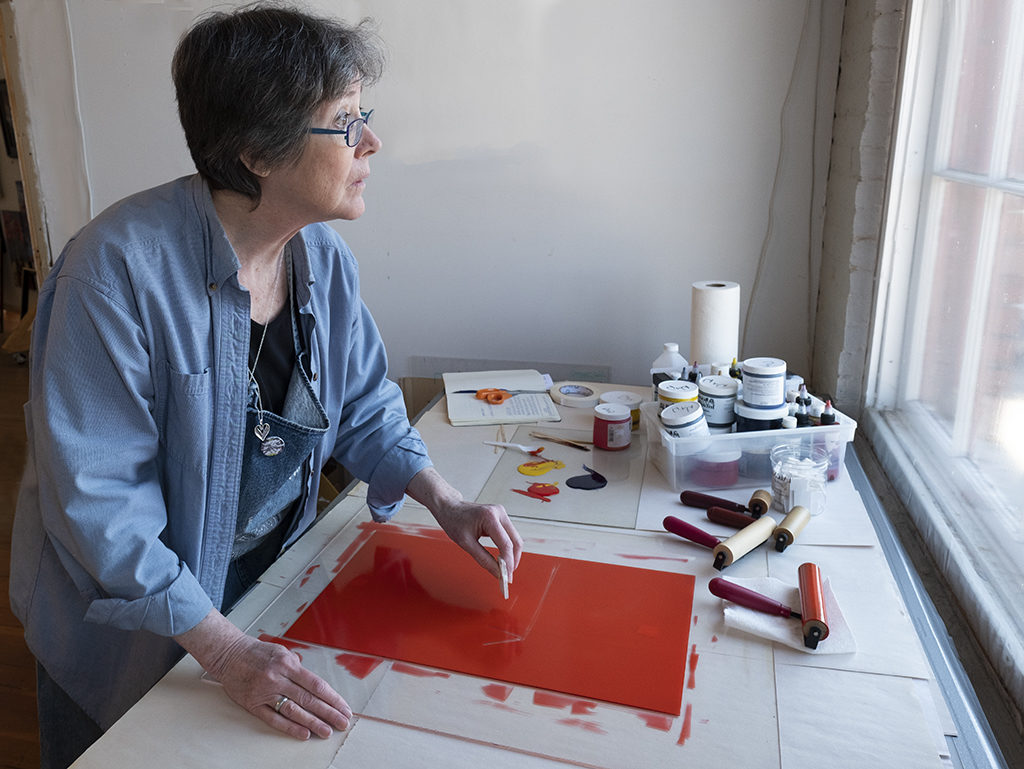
{"x":496,"y":395}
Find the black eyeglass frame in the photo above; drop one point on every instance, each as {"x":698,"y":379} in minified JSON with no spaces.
{"x":358,"y":123}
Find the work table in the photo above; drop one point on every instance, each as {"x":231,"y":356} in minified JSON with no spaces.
{"x":746,"y":700}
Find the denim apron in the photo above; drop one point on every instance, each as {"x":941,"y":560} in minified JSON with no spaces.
{"x":275,"y":467}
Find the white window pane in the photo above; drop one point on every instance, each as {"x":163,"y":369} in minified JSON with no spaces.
{"x":979,"y":82}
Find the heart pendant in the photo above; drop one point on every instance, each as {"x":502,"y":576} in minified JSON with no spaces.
{"x":262,"y":430}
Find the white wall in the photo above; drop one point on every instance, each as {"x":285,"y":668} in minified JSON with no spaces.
{"x":555,"y":173}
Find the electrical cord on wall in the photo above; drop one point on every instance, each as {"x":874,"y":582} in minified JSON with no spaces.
{"x":763,"y":256}
{"x":78,"y":113}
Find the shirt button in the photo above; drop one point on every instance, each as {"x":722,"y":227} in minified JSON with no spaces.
{"x":213,"y":286}
{"x":314,"y":376}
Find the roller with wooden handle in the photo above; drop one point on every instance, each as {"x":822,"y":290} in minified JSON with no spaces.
{"x":812,"y":605}
{"x":743,"y":541}
{"x":743,"y":596}
{"x":759,"y":504}
{"x":729,"y":517}
{"x":688,"y":531}
{"x":794,"y":522}
{"x":696,"y":499}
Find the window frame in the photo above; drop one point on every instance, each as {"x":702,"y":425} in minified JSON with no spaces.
{"x":906,"y":438}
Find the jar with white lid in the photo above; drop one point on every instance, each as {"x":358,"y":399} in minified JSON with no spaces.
{"x":685,"y":420}
{"x":764,"y":382}
{"x":613,"y":424}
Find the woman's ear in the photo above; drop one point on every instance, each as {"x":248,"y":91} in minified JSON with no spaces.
{"x":256,"y":168}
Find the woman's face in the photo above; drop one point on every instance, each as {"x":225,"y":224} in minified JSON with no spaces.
{"x":328,"y":180}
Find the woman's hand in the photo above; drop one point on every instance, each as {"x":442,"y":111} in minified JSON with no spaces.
{"x":466,"y":522}
{"x":258,"y":675}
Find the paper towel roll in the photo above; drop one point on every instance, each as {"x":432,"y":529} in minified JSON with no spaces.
{"x":714,"y":321}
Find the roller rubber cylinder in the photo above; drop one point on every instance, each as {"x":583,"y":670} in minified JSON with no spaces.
{"x":760,"y":503}
{"x":812,"y":605}
{"x":743,"y":541}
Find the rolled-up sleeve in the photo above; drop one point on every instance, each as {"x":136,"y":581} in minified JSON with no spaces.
{"x":95,"y":450}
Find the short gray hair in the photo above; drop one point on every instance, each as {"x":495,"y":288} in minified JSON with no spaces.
{"x":248,"y":81}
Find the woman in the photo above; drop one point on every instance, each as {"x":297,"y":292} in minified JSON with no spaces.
{"x":200,"y":351}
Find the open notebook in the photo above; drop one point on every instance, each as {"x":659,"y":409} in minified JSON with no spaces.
{"x":464,"y":408}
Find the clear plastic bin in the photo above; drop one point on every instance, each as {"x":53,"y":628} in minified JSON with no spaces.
{"x":736,"y":459}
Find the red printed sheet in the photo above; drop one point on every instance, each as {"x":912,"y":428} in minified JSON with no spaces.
{"x":601,"y":631}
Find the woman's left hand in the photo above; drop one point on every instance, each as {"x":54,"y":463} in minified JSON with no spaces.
{"x":467,"y":522}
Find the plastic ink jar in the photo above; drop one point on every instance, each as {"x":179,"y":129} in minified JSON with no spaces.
{"x":764,"y":382}
{"x":676,"y":391}
{"x":751,"y":419}
{"x":717,"y":396}
{"x":715,"y":469}
{"x":625,"y":398}
{"x":685,"y":420}
{"x":612,"y":426}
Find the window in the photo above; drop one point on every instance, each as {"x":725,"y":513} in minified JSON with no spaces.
{"x":946,"y":387}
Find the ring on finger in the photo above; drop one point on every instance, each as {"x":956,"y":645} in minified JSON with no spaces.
{"x":280,"y":703}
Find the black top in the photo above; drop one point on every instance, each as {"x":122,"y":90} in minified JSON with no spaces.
{"x":277,"y":359}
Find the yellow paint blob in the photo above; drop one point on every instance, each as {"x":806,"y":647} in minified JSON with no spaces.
{"x":540,"y":467}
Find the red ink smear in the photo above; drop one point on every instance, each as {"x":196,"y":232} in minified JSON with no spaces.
{"x":285,"y":642}
{"x":651,"y":558}
{"x":550,"y":700}
{"x":498,"y":692}
{"x":588,"y":726}
{"x":659,"y":722}
{"x":691,"y":683}
{"x":309,"y":571}
{"x":358,"y":665}
{"x":412,"y":670}
{"x":499,"y":706}
{"x":684,"y":734}
{"x":695,"y":620}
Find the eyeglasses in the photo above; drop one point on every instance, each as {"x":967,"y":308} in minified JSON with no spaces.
{"x":352,"y":132}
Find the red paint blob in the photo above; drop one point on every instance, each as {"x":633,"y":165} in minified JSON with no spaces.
{"x":657,"y":721}
{"x":498,"y":692}
{"x":684,"y":733}
{"x":694,"y":657}
{"x":358,"y":665}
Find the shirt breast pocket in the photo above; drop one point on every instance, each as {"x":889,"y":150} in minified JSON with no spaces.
{"x":184,"y":415}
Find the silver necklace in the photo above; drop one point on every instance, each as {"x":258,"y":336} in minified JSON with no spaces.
{"x":270,"y":445}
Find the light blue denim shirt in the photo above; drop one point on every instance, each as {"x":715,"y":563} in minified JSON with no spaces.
{"x":135,"y":420}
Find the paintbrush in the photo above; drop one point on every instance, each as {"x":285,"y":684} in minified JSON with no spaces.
{"x":576,"y":444}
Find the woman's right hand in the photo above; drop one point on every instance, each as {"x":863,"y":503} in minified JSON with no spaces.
{"x":258,"y":674}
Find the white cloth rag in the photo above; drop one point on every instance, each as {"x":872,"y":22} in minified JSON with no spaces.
{"x":789,"y":631}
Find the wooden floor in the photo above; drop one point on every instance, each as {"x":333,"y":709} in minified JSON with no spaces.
{"x":19,"y":737}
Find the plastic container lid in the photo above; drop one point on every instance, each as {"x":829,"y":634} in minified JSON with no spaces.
{"x":623,"y":397}
{"x":718,"y":386}
{"x":612,"y":412}
{"x":754,"y":412}
{"x":678,"y":390}
{"x":764,"y":366}
{"x":682,"y":414}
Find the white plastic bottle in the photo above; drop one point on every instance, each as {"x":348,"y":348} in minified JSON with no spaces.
{"x":669,"y":365}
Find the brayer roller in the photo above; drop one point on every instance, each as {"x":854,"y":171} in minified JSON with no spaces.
{"x":725,"y":551}
{"x":812,"y":617}
{"x":759,"y":504}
